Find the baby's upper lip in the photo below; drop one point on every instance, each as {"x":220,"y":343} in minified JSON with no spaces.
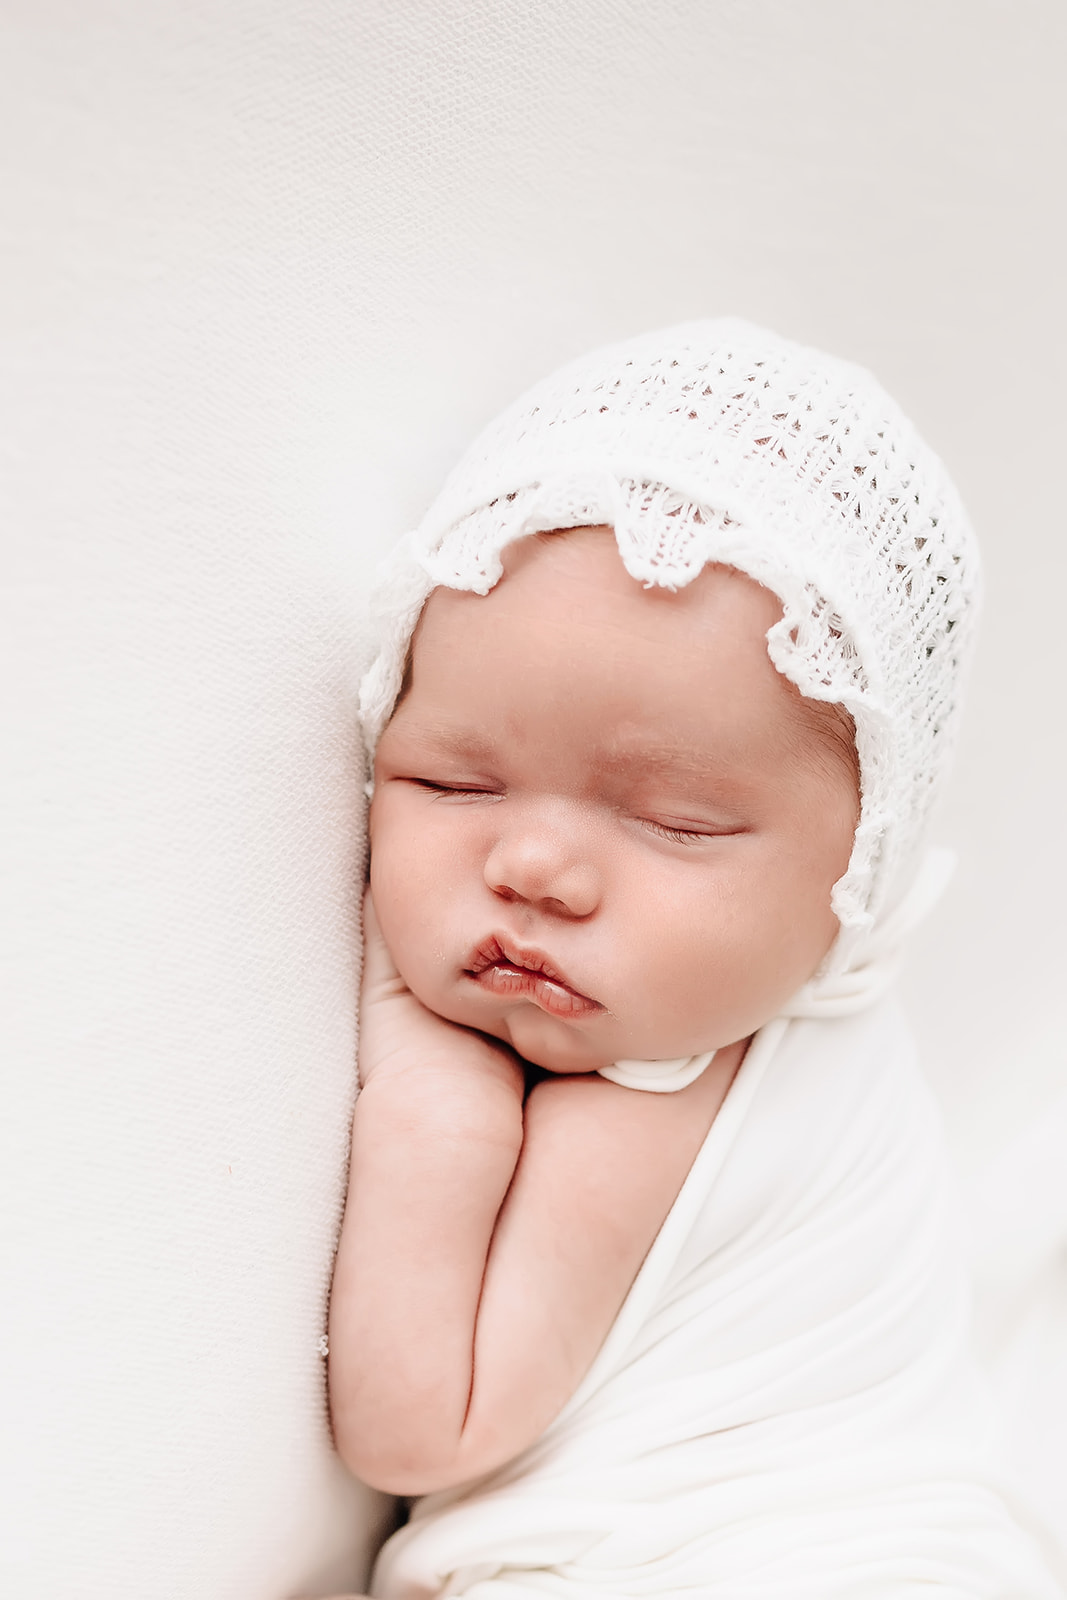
{"x":500,"y":947}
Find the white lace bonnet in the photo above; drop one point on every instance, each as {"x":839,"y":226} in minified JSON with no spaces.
{"x":717,"y":441}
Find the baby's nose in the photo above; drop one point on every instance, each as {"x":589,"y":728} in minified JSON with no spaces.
{"x":545,"y":865}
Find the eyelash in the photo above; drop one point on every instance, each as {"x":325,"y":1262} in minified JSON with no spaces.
{"x":677,"y":835}
{"x":450,"y":788}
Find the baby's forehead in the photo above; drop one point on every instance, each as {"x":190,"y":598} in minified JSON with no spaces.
{"x":569,"y":593}
{"x":664,"y":653}
{"x":565,"y":576}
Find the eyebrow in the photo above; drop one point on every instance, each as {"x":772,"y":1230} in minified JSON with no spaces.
{"x":651,"y":759}
{"x":654,"y":759}
{"x":454,"y":741}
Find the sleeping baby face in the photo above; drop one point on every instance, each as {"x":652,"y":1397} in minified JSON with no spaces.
{"x":604,"y":827}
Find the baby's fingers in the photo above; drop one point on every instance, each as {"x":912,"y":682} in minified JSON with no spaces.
{"x":379,"y":969}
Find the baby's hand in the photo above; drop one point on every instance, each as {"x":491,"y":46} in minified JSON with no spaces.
{"x":436,"y":1135}
{"x":397,"y":1032}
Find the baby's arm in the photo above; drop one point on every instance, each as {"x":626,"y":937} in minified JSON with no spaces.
{"x":486,"y":1247}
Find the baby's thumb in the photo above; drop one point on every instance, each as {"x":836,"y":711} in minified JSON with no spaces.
{"x":379,"y":968}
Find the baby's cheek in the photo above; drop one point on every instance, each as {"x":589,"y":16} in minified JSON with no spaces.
{"x":401,"y":902}
{"x":709,"y":964}
{"x":405,"y":850}
{"x":669,"y":966}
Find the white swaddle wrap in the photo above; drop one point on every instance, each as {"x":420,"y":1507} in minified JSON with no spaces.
{"x":785,"y":1405}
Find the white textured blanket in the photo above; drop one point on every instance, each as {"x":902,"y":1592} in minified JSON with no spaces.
{"x":785,"y":1406}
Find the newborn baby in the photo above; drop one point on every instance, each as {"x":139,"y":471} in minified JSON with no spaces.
{"x":648,"y":1281}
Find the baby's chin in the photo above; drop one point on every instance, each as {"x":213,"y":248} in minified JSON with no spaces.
{"x":549,"y":1044}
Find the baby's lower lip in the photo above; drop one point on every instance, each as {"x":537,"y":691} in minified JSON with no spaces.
{"x":517,"y":983}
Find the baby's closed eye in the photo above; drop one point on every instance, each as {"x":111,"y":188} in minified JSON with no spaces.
{"x":692,"y":833}
{"x":458,"y":789}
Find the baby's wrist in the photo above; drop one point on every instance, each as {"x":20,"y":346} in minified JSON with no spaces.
{"x":475,"y":1064}
{"x":449,"y":1101}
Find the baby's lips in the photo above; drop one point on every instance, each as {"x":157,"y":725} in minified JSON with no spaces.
{"x":517,"y":983}
{"x":520,"y":968}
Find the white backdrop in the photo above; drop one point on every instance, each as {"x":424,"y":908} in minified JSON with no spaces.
{"x":267,"y":264}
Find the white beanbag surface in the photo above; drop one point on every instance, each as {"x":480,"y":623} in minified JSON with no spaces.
{"x":266,"y":265}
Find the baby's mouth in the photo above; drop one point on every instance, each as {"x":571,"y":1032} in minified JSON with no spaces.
{"x":520,"y":973}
